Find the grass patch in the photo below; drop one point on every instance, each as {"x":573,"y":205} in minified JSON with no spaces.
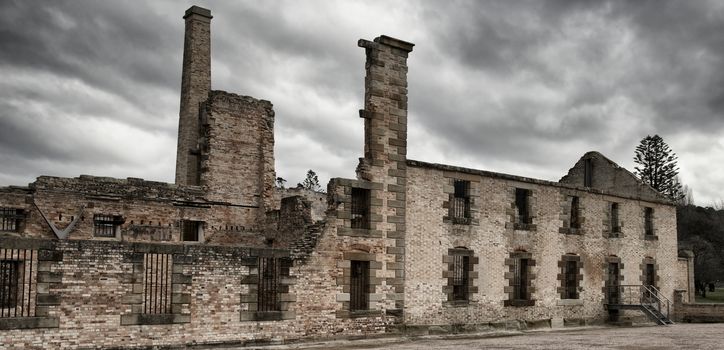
{"x":712,"y":297}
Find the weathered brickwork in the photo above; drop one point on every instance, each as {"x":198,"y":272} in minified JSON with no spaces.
{"x":195,"y":86}
{"x":222,"y":257}
{"x":497,"y":239}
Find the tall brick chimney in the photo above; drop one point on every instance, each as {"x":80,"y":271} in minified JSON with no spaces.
{"x":195,"y":87}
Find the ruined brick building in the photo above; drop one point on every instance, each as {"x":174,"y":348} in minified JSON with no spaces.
{"x":222,"y":257}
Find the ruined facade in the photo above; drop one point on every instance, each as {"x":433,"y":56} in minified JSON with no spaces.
{"x":222,"y":257}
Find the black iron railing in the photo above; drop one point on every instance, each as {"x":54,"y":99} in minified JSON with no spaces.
{"x":18,"y":270}
{"x":646,"y":296}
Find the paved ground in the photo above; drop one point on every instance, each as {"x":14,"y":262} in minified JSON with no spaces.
{"x":679,"y":336}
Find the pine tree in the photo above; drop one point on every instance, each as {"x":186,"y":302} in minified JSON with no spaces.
{"x":658,"y":167}
{"x":311,"y":182}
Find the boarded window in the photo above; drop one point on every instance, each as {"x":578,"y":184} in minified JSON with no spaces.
{"x":158,"y":269}
{"x":271,"y":270}
{"x":461,"y":277}
{"x":615,"y":224}
{"x":575,"y":213}
{"x":460,"y":205}
{"x":570,"y":280}
{"x":190,"y":230}
{"x":649,"y":221}
{"x":360,"y":208}
{"x":106,"y":225}
{"x":520,"y":279}
{"x":522,"y":205}
{"x":11,"y":219}
{"x":359,"y":285}
{"x":588,"y":172}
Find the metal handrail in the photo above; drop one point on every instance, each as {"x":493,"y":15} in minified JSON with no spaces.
{"x":636,"y":294}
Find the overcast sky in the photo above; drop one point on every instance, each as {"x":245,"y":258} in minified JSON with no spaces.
{"x":521,"y":87}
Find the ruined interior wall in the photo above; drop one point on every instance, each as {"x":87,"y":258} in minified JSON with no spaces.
{"x":609,"y":177}
{"x":429,"y":237}
{"x":238,"y":153}
{"x":152,"y":211}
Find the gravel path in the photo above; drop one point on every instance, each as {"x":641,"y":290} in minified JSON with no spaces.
{"x":678,"y":336}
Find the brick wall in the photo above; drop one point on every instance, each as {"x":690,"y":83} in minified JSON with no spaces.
{"x":430,"y":235}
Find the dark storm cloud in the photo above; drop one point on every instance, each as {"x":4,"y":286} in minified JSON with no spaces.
{"x":523,"y":87}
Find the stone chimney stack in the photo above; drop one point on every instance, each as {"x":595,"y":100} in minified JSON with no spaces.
{"x":385,"y":111}
{"x":195,"y":87}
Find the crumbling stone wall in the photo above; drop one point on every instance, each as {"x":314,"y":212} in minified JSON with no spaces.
{"x":151,"y":211}
{"x":238,"y":151}
{"x":608,"y":176}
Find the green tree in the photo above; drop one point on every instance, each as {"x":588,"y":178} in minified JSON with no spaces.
{"x":658,"y":166}
{"x":280,"y":182}
{"x":311,"y":182}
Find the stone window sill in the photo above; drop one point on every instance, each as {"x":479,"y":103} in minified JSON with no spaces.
{"x":519,"y":303}
{"x":569,"y":302}
{"x":458,"y":303}
{"x":358,"y":232}
{"x":524,"y":227}
{"x":571,"y":231}
{"x":359,"y":313}
{"x":153,"y":319}
{"x":28,"y":322}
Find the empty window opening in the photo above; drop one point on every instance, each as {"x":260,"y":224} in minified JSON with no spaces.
{"x":9,"y":272}
{"x":460,"y":206}
{"x":615,"y":225}
{"x":649,"y":221}
{"x":359,"y":285}
{"x":18,"y":270}
{"x":650,"y":278}
{"x":360,"y":208}
{"x":570,"y":281}
{"x":157,"y":289}
{"x":520,"y":279}
{"x":522,"y":205}
{"x":588,"y":172}
{"x":575,"y":213}
{"x":106,"y":225}
{"x":461,"y":277}
{"x":270,"y":272}
{"x":11,"y":219}
{"x":190,"y":230}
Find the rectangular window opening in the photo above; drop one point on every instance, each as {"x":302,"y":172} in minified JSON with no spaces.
{"x":461,"y":277}
{"x":575,"y":213}
{"x":615,"y":225}
{"x":268,"y":289}
{"x":650,"y":275}
{"x":520,"y":279}
{"x":11,"y":219}
{"x":158,"y":269}
{"x":190,"y":230}
{"x":360,"y":208}
{"x":18,"y":270}
{"x":571,"y":280}
{"x":460,"y":206}
{"x":588,"y":172}
{"x":522,"y":204}
{"x":359,"y":285}
{"x":106,"y":225}
{"x":649,"y":221}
